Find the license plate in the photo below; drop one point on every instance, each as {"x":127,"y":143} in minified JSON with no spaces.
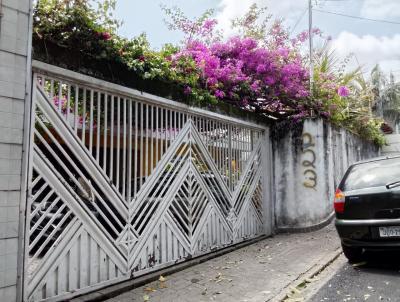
{"x":393,"y":231}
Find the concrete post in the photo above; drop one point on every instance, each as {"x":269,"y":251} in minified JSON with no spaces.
{"x":15,"y":47}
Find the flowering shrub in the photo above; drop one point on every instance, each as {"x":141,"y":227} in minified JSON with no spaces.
{"x":261,"y":69}
{"x":345,"y":98}
{"x":240,"y":72}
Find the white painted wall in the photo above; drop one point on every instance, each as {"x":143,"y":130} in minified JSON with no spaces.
{"x":14,"y":68}
{"x":308,"y":167}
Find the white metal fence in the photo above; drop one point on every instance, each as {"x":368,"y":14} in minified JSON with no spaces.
{"x":122,"y":183}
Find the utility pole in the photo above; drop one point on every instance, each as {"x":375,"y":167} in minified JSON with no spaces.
{"x":311,"y":46}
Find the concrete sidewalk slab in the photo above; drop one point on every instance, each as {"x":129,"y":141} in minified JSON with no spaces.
{"x":263,"y":271}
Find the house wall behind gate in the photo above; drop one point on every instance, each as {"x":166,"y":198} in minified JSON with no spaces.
{"x":308,"y":166}
{"x":14,"y":58}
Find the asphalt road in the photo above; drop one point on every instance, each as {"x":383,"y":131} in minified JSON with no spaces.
{"x":376,"y":280}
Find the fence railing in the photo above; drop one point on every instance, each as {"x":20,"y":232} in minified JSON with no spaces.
{"x":144,"y":181}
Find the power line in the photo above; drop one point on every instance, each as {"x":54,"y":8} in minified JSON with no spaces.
{"x":298,"y":21}
{"x":355,"y":17}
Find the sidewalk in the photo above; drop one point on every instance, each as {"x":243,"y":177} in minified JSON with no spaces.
{"x":259,"y":272}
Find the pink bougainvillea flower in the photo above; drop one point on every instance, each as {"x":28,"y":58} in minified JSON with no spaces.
{"x":325,"y":114}
{"x":105,"y":36}
{"x":187,"y":90}
{"x":255,"y":86}
{"x":219,"y":94}
{"x":343,"y":91}
{"x":209,"y":25}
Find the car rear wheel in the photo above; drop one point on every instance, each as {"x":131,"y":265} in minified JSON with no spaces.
{"x":353,"y":254}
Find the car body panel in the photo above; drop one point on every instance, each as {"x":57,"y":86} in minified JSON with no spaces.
{"x":368,"y":208}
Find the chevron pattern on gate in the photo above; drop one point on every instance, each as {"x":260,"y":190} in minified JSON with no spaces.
{"x":197,"y":213}
{"x":85,"y":232}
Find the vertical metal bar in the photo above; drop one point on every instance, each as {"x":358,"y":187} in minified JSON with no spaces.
{"x":161,"y":131}
{"x":68,"y":103}
{"x":84,"y":117}
{"x":239,"y":151}
{"x":230,"y":155}
{"x":124,"y":154}
{"x":220,"y":147}
{"x":175,"y":119}
{"x":112,"y":138}
{"x":141,"y":145}
{"x":98,"y":128}
{"x":170,"y":128}
{"x":208,"y":135}
{"x":136,"y":150}
{"x":157,"y":134}
{"x":236,"y":154}
{"x":225,"y":148}
{"x":179,"y":122}
{"x":251,"y":140}
{"x":164,"y":129}
{"x":248,"y":144}
{"x":203,"y":123}
{"x":51,"y":89}
{"x":118,"y":139}
{"x":91,"y":122}
{"x":105,"y":132}
{"x":235,"y":148}
{"x":59,"y":96}
{"x":146,"y":172}
{"x":215,"y":143}
{"x":151,"y":139}
{"x":76,"y":108}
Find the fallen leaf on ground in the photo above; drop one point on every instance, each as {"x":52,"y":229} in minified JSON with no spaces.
{"x":162,"y":279}
{"x":146,"y":298}
{"x":295,"y":290}
{"x":359,"y":264}
{"x":150,"y":289}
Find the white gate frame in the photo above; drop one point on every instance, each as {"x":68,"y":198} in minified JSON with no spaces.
{"x":96,"y":84}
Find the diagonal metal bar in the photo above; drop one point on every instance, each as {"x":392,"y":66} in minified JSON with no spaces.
{"x":80,"y":151}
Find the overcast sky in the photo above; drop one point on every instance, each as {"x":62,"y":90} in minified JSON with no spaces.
{"x":371,"y":42}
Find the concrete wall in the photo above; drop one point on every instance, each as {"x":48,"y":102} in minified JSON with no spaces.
{"x":14,"y":68}
{"x":308,"y":165}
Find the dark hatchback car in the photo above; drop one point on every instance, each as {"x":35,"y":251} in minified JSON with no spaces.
{"x":367,"y":206}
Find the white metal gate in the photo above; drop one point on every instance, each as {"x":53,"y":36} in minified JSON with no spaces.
{"x":122,"y":183}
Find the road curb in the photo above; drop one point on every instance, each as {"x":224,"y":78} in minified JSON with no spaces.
{"x":316,"y":269}
{"x":307,"y":229}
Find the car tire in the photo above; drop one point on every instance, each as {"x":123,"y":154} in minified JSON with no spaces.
{"x":353,"y":254}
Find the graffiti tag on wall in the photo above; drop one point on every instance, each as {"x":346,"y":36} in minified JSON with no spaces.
{"x":310,"y":175}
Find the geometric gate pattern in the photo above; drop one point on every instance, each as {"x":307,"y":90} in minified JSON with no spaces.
{"x":120,"y":187}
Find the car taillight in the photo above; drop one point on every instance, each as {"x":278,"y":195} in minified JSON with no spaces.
{"x":338,"y":202}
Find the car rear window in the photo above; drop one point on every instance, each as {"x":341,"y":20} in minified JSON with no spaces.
{"x":372,"y":174}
